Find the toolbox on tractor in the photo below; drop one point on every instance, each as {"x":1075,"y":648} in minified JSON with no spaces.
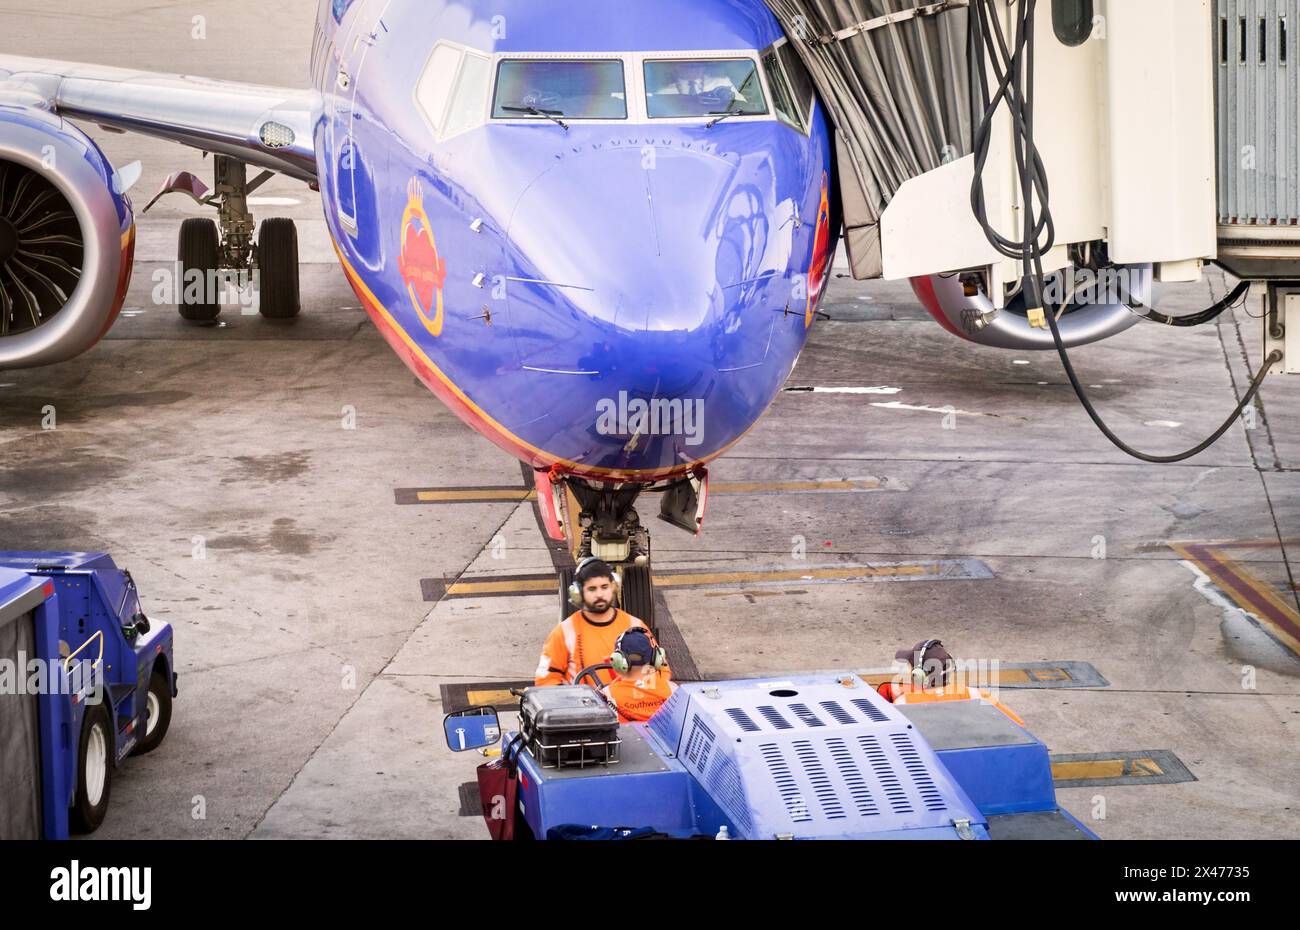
{"x":569,"y":725}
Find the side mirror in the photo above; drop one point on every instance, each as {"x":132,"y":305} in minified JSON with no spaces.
{"x":472,"y":728}
{"x":139,"y":625}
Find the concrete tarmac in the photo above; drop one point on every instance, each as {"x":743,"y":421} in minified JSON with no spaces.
{"x":248,"y":475}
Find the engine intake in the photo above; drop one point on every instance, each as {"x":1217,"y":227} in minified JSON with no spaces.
{"x":66,"y":240}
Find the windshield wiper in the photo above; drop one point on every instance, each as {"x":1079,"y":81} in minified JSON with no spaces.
{"x":726,"y":114}
{"x":721,"y":115}
{"x":552,"y":115}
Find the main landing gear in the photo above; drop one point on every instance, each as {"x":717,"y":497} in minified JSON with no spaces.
{"x":219,"y":261}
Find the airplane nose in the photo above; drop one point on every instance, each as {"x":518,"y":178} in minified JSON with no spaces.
{"x":639,"y":246}
{"x":653,"y":270}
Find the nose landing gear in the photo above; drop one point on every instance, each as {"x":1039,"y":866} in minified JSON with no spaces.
{"x":604,"y":523}
{"x":601,"y":521}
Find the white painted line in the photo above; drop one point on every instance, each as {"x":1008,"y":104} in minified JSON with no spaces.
{"x":844,"y":390}
{"x":926,"y":408}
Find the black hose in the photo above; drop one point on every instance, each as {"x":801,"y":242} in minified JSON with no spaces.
{"x":1016,"y":89}
{"x":987,"y":40}
{"x":1191,"y":319}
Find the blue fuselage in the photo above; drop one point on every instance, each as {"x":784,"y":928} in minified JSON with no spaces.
{"x":552,"y":284}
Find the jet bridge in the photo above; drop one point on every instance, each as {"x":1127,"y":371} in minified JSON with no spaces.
{"x":1167,"y":129}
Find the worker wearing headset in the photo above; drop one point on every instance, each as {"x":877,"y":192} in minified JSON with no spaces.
{"x":588,"y":635}
{"x":928,"y":675}
{"x":642,"y":685}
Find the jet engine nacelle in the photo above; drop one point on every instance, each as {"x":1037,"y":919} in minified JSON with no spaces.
{"x":1097,"y":313}
{"x":67,"y":238}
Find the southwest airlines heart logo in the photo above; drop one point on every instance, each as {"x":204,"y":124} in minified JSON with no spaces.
{"x":821,"y":254}
{"x":421,"y":268}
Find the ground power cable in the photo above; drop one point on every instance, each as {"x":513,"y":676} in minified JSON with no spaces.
{"x":1013,"y":68}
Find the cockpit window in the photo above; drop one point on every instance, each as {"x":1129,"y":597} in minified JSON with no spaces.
{"x":564,"y":89}
{"x":703,"y":87}
{"x":782,"y":96}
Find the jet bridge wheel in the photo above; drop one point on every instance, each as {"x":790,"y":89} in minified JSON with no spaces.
{"x":199,"y":250}
{"x":277,"y":263}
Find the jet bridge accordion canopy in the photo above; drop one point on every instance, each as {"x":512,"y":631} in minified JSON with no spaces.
{"x":894,"y":76}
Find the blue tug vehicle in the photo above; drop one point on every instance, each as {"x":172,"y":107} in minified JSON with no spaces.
{"x":86,"y":679}
{"x":813,"y":756}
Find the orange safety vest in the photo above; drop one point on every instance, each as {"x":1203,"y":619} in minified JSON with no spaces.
{"x":912,"y":694}
{"x":577,"y":643}
{"x":638,"y":698}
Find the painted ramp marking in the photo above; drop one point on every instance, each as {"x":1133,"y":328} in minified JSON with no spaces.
{"x":1018,"y":675}
{"x":1252,"y":594}
{"x":497,"y":494}
{"x":838,"y":573}
{"x":943,"y":570}
{"x":1105,"y":769}
{"x":460,"y":695}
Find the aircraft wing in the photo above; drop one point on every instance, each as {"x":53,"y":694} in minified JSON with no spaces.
{"x":271,"y":127}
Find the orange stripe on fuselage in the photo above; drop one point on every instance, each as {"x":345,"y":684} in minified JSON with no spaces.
{"x":476,"y":417}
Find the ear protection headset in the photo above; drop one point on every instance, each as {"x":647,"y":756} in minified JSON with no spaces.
{"x":575,"y":589}
{"x":918,"y":662}
{"x":619,"y":659}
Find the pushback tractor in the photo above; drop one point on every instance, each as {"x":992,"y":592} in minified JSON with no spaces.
{"x":86,"y":680}
{"x":814,"y":756}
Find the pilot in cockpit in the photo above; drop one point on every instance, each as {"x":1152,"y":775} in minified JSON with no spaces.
{"x":691,"y":88}
{"x":697,"y":77}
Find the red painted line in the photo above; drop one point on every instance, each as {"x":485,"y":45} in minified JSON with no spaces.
{"x":1228,"y":575}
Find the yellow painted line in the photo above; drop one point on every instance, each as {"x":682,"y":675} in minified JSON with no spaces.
{"x":750,"y":593}
{"x":1231,"y":577}
{"x":1004,"y":676}
{"x":1247,"y":543}
{"x":497,"y":494}
{"x":1105,"y":768}
{"x":489,"y":698}
{"x":455,"y":495}
{"x":471,"y":588}
{"x":751,"y":487}
{"x":700,"y":579}
{"x":797,"y":574}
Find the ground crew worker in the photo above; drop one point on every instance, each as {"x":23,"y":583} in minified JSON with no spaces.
{"x":926,"y":665}
{"x":642,"y":686}
{"x":588,"y":635}
{"x":930,"y":670}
